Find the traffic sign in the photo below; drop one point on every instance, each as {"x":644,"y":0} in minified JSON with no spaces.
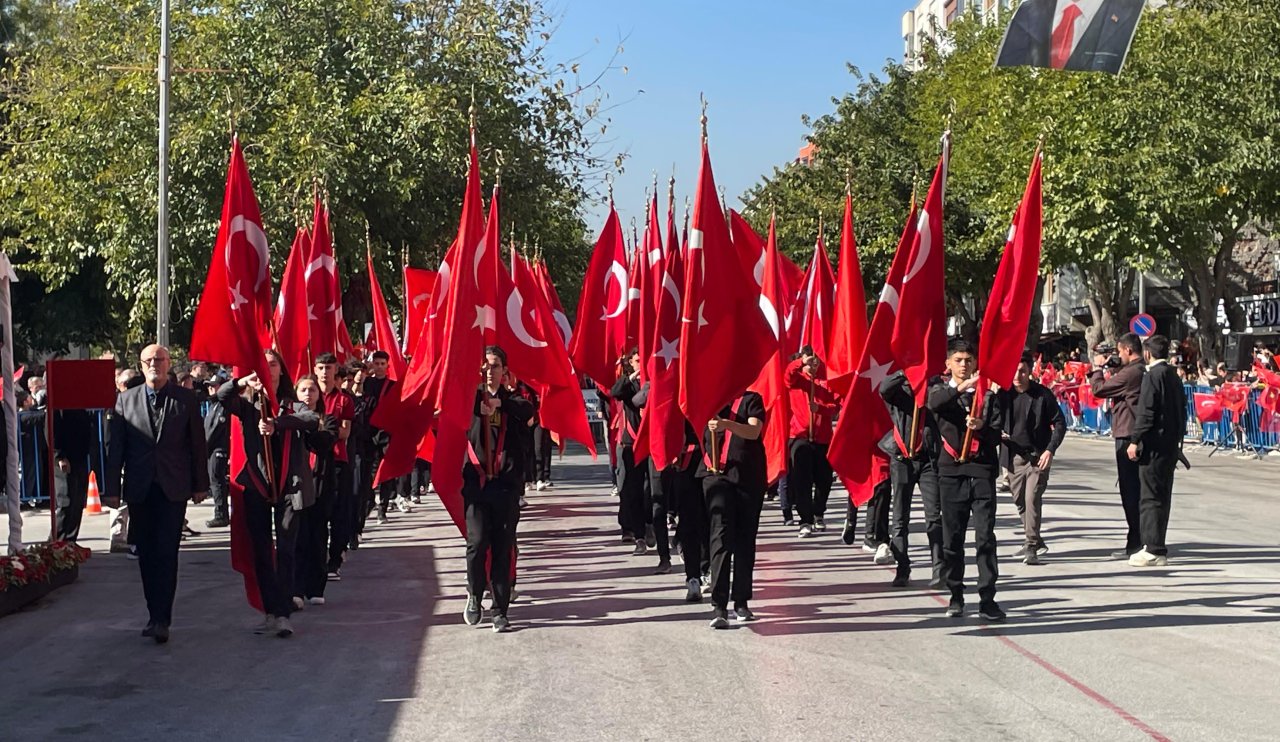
{"x":1143,"y":325}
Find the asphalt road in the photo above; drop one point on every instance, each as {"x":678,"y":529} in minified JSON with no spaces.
{"x":604,"y":650}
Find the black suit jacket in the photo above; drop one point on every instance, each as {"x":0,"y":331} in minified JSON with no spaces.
{"x":1161,"y":416}
{"x":1102,"y":48}
{"x":174,"y":458}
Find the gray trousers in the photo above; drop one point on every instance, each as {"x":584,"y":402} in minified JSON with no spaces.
{"x":1028,"y":483}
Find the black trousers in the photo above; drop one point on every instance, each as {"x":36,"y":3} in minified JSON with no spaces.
{"x":155,"y":527}
{"x":219,"y":483}
{"x":314,"y":525}
{"x":904,"y":476}
{"x":878,"y":507}
{"x":275,"y":576}
{"x":632,"y":478}
{"x":72,"y":493}
{"x":682,"y":489}
{"x":543,"y":447}
{"x":491,"y":530}
{"x":1156,"y":473}
{"x":390,"y":490}
{"x":961,"y":498}
{"x":346,"y":515}
{"x":1130,"y":495}
{"x":809,"y":479}
{"x":419,"y":478}
{"x":366,"y":466}
{"x":659,"y":499}
{"x":734,"y":518}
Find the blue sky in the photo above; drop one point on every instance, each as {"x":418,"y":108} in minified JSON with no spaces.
{"x":761,"y":65}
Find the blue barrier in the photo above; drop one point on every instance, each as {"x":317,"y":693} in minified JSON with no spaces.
{"x":1246,"y":431}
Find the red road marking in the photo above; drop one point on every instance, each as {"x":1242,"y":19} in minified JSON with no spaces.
{"x":1061,"y":674}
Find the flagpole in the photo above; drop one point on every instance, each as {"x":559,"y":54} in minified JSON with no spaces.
{"x":162,"y":206}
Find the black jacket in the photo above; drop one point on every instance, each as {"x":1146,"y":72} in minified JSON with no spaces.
{"x":1048,"y":426}
{"x":1161,"y":420}
{"x":950,"y":411}
{"x":298,"y":485}
{"x":897,"y":396}
{"x":217,"y":429}
{"x":175,"y":457}
{"x":744,"y":460}
{"x":508,"y":481}
{"x":625,"y":390}
{"x":75,"y":436}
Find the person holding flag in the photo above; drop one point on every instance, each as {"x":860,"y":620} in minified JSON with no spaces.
{"x":492,"y":481}
{"x":912,"y":448}
{"x":813,"y":409}
{"x":969,"y":438}
{"x":632,"y":475}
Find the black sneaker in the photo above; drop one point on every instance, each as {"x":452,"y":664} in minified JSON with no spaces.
{"x":335,"y":575}
{"x":694,"y":594}
{"x":991,"y":612}
{"x":955,"y":609}
{"x":743,"y":614}
{"x":217,"y":521}
{"x":721,"y":619}
{"x":937,"y":583}
{"x":849,"y":533}
{"x":902,"y":579}
{"x":664,"y":567}
{"x":650,"y":538}
{"x":500,"y":624}
{"x":471,"y":614}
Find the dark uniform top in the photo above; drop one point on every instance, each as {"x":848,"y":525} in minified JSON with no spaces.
{"x":506,"y":446}
{"x":742,"y":461}
{"x":950,"y":412}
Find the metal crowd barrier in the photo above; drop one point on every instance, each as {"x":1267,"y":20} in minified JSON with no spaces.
{"x":1245,"y":432}
{"x":35,"y":486}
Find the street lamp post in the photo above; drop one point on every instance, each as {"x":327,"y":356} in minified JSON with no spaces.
{"x":162,"y":222}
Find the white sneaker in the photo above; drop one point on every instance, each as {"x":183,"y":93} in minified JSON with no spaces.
{"x":431,"y":487}
{"x":268,"y":625}
{"x":1145,"y":558}
{"x":284,"y":629}
{"x":317,"y":601}
{"x":806,"y":531}
{"x":615,"y":491}
{"x":403,"y":505}
{"x":547,"y":485}
{"x":883,"y":554}
{"x":298,"y":603}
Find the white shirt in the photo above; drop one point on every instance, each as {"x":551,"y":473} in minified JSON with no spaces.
{"x":1088,"y":9}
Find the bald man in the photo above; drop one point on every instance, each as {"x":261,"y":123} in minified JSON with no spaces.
{"x":156,"y":462}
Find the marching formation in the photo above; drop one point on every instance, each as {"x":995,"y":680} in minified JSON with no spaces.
{"x":732,"y":377}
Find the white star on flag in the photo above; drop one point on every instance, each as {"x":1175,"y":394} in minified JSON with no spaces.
{"x":876,"y":373}
{"x":669,"y":352}
{"x":486,"y":319}
{"x":237,"y":298}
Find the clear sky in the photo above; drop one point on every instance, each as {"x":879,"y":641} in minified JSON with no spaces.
{"x":761,"y":63}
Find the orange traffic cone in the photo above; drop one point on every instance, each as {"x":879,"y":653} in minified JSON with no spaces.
{"x":93,"y":506}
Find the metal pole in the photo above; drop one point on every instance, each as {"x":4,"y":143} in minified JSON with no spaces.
{"x":1142,"y":292}
{"x":162,"y":226}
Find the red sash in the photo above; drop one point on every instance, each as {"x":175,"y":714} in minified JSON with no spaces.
{"x":724,"y":446}
{"x":273,"y":494}
{"x":902,"y":445}
{"x":496,"y":456}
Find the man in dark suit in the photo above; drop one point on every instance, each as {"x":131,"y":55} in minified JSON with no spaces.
{"x":1083,"y":35}
{"x":157,"y":457}
{"x":1158,"y":429}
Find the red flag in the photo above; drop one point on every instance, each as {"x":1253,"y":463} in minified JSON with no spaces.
{"x":650,"y":276}
{"x":548,"y":289}
{"x":601,"y":330}
{"x":231,"y":326}
{"x":1004,"y":325}
{"x":854,"y":450}
{"x":231,"y":321}
{"x":293,"y":331}
{"x":321,"y":277}
{"x":724,"y":339}
{"x":1235,"y":397}
{"x":1208,"y":408}
{"x":563,"y":410}
{"x":920,"y":331}
{"x":751,"y":248}
{"x":817,"y":303}
{"x":1269,"y":400}
{"x":771,"y":385}
{"x":384,"y":333}
{"x":849,"y":325}
{"x":419,"y":284}
{"x":661,"y":433}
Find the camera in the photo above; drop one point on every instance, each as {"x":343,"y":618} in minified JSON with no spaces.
{"x":1108,"y":350}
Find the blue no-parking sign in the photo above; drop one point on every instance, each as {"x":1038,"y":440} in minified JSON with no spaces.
{"x":1143,"y":325}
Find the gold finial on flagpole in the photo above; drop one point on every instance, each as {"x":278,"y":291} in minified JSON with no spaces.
{"x":703,"y":119}
{"x":608,"y":181}
{"x":848,"y":181}
{"x":368,"y":242}
{"x":471,"y":109}
{"x":671,"y":191}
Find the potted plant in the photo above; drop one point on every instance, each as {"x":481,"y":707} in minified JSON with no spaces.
{"x":36,"y":571}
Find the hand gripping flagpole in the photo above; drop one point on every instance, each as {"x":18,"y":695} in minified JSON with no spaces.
{"x":714,"y":466}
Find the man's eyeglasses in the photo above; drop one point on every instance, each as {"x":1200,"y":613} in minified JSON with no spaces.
{"x":155,"y":361}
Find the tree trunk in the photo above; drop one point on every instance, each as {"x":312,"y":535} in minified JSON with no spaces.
{"x":1208,"y":281}
{"x":1108,"y":300}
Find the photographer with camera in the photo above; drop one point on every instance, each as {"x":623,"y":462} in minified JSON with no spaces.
{"x":1117,"y":376}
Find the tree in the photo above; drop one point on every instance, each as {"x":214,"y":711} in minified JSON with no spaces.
{"x":366,"y":100}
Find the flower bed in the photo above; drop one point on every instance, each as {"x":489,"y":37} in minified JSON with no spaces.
{"x":37,"y":571}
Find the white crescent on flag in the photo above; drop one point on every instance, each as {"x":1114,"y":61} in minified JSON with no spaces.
{"x":256,"y":239}
{"x":515,"y":320}
{"x":618,"y":273}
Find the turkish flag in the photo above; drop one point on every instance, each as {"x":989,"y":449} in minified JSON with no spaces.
{"x":548,"y":288}
{"x":854,"y":452}
{"x":601,"y":329}
{"x":1234,"y":397}
{"x":455,"y":372}
{"x":231,"y":327}
{"x":817,"y":303}
{"x":419,"y":284}
{"x":920,"y":329}
{"x":849,"y":323}
{"x":548,"y":368}
{"x":293,"y":330}
{"x":649,"y":285}
{"x":321,"y":277}
{"x":661,"y":435}
{"x":384,"y":333}
{"x":724,"y":339}
{"x":231,"y":321}
{"x":751,"y":248}
{"x":1076,"y":370}
{"x":771,"y":384}
{"x":1004,"y":325}
{"x":1208,"y":408}
{"x":1269,"y":399}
